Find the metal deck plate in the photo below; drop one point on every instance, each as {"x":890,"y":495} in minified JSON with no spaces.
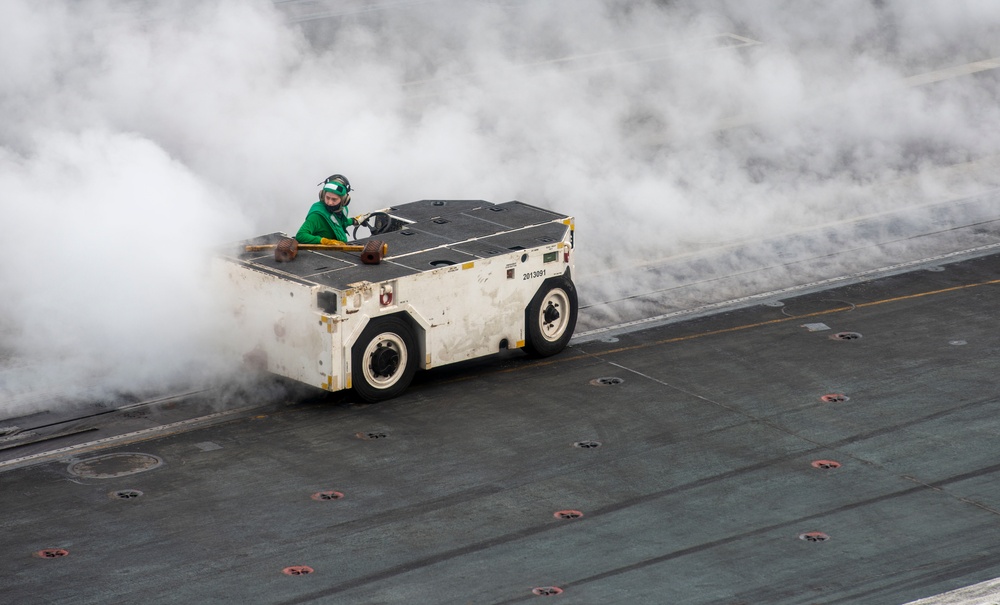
{"x":706,"y":477}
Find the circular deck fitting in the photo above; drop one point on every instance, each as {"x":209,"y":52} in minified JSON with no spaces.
{"x":609,"y":339}
{"x":546,"y":591}
{"x":587,"y":445}
{"x":935,"y":268}
{"x":109,"y":466}
{"x":51,"y":553}
{"x":835,"y":398}
{"x":297,"y":570}
{"x":825,"y":464}
{"x":371,"y":436}
{"x":957,"y":343}
{"x":567,"y":514}
{"x":125,"y":494}
{"x":774,"y":303}
{"x":814,"y":536}
{"x":607,"y":381}
{"x":845,"y":336}
{"x":328,"y":495}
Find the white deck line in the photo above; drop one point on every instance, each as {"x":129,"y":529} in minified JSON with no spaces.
{"x":951,"y":72}
{"x":117,"y":439}
{"x":984,"y":593}
{"x":923,"y":79}
{"x":777,"y":294}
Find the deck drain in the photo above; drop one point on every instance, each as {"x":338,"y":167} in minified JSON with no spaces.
{"x":587,"y":445}
{"x":125,"y":494}
{"x":51,"y":553}
{"x":568,"y":514}
{"x":371,"y":436}
{"x":814,"y":536}
{"x":546,"y":591}
{"x":835,"y":398}
{"x":109,"y":466}
{"x":825,"y":464}
{"x":606,"y":381}
{"x":328,"y":495}
{"x":297,"y":570}
{"x":845,"y":336}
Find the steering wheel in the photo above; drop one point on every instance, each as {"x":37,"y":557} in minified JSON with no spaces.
{"x":376,"y":223}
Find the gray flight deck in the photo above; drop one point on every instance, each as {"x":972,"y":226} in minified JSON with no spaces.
{"x":835,"y":447}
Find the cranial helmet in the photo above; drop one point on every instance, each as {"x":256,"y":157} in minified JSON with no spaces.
{"x":337,"y":183}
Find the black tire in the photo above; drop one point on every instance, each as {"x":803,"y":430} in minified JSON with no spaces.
{"x":551,"y":317}
{"x":384,"y":359}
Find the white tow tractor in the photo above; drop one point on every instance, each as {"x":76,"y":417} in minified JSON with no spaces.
{"x":453,"y":280}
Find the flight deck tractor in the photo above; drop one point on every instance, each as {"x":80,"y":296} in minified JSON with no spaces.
{"x":436,"y":282}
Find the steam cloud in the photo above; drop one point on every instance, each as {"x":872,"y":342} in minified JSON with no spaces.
{"x":136,"y":136}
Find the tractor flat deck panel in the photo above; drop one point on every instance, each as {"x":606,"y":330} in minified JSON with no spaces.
{"x":709,"y":459}
{"x":343,"y":278}
{"x":425,"y":210}
{"x":458,"y":227}
{"x":434,"y":259}
{"x":514,"y":214}
{"x":444,"y":231}
{"x":502,"y":243}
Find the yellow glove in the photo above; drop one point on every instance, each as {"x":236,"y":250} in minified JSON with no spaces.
{"x":330,"y":242}
{"x":361,"y":218}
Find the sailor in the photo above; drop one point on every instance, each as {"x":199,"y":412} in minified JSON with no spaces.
{"x":327,"y":220}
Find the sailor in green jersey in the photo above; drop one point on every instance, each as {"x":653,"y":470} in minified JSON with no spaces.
{"x":327,"y":220}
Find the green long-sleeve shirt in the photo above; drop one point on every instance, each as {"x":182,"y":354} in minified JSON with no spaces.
{"x":321,"y":223}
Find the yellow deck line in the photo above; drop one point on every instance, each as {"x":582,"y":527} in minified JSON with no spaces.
{"x":800,"y":317}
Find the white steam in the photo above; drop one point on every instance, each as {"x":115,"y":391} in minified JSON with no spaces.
{"x":137,"y":135}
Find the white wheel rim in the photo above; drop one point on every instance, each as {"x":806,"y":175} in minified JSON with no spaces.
{"x":554,"y":329}
{"x":383,"y":345}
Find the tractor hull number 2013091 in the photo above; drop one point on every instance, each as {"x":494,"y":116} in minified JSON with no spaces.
{"x":533,"y":275}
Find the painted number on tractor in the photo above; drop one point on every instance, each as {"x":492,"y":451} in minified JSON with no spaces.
{"x":533,"y":274}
